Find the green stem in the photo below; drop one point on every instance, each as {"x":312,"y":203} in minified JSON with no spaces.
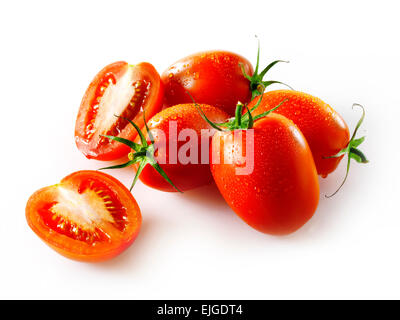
{"x":142,"y":153}
{"x":240,"y":121}
{"x":257,"y":84}
{"x":351,"y":150}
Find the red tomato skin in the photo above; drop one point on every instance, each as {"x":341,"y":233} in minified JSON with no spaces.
{"x":282,"y":192}
{"x":67,"y":247}
{"x":324,"y":129}
{"x":211,"y":77}
{"x":113,"y":150}
{"x":184,"y":176}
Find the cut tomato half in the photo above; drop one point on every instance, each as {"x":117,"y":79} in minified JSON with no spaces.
{"x":120,"y":92}
{"x":88,"y":216}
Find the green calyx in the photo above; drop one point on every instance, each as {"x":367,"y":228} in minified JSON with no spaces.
{"x":351,"y":150}
{"x":257,"y":83}
{"x":142,"y":154}
{"x":240,"y":121}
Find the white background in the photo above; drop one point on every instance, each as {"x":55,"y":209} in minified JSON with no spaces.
{"x":193,"y":245}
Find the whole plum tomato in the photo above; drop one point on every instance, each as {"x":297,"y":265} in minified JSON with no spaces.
{"x":217,"y":78}
{"x":172,"y":153}
{"x":325,"y":130}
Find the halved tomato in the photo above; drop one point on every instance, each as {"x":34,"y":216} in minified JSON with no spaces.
{"x":119,"y":89}
{"x":88,"y":216}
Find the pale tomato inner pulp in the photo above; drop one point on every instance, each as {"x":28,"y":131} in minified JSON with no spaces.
{"x":124,"y":97}
{"x":88,"y":214}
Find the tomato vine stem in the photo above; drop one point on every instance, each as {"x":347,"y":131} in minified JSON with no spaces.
{"x":240,"y":121}
{"x":351,"y":150}
{"x":257,"y":83}
{"x":143,"y":153}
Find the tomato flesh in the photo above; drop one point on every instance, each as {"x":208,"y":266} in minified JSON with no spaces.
{"x":88,"y":216}
{"x":118,"y":90}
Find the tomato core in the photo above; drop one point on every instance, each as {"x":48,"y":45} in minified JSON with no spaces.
{"x":131,"y":103}
{"x":74,"y":216}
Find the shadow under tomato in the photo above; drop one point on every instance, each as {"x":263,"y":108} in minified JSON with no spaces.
{"x":207,"y":196}
{"x":329,"y":214}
